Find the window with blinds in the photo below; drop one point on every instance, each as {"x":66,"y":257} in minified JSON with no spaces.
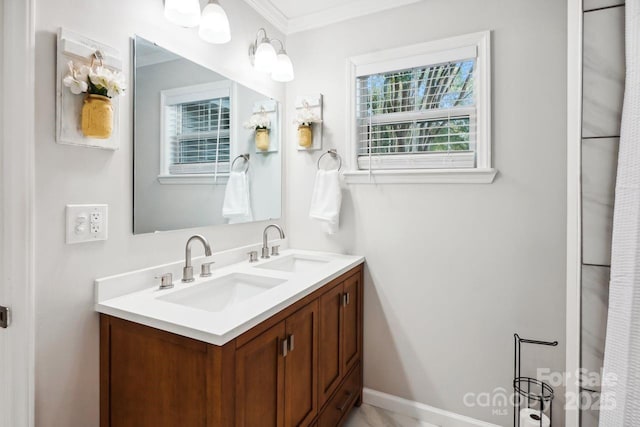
{"x":196,"y":131}
{"x":421,"y":117}
{"x":198,"y":136}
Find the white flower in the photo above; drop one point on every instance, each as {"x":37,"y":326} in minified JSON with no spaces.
{"x":258,"y":120}
{"x":112,"y":81}
{"x":101,"y":78}
{"x":306,"y":117}
{"x":76,"y":80}
{"x":75,"y":86}
{"x":116,"y":86}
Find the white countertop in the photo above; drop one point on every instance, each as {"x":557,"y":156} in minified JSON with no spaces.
{"x":134,"y":296}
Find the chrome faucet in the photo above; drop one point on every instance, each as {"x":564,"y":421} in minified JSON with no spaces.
{"x":265,"y":247}
{"x":187,"y":271}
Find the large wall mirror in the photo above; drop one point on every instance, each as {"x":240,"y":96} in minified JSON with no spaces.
{"x":195,"y":164}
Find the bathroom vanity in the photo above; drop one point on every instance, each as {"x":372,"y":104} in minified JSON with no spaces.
{"x":277,"y":342}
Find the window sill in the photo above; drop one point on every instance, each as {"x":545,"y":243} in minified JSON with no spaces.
{"x":425,"y":176}
{"x":193,"y":179}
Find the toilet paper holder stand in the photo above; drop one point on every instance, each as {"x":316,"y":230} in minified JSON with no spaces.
{"x":530,"y":392}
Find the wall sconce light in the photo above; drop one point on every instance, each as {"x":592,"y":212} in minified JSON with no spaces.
{"x":266,"y":60}
{"x":214,"y":23}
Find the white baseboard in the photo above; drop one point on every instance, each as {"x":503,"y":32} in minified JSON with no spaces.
{"x":420,"y":411}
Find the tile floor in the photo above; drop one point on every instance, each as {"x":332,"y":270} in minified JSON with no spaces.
{"x":370,"y":416}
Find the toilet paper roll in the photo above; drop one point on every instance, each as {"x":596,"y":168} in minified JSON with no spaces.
{"x":531,"y":418}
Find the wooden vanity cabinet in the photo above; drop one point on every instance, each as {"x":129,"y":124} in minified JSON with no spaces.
{"x":340,"y":333}
{"x":301,"y":367}
{"x":275,"y":380}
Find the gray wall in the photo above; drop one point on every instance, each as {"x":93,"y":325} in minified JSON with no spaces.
{"x":452,"y":270}
{"x":603,"y":90}
{"x":266,"y":184}
{"x":177,"y":206}
{"x":160,"y":207}
{"x":66,"y":326}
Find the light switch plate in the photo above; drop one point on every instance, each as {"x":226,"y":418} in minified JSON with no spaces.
{"x":86,"y":223}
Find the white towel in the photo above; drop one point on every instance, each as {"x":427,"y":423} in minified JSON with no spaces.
{"x":326,"y":200}
{"x":237,"y":198}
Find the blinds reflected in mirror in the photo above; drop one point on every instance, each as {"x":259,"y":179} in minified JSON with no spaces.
{"x":422,"y":117}
{"x":199,"y":136}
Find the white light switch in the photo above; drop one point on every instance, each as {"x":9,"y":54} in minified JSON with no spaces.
{"x":86,"y":223}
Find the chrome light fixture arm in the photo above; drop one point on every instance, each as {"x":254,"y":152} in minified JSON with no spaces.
{"x":254,"y":46}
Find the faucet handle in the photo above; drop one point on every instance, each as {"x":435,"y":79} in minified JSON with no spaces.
{"x":275,"y":250}
{"x":205,"y":269}
{"x":166,"y":281}
{"x":253,"y":256}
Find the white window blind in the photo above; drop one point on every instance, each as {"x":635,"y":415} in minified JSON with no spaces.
{"x":198,"y":135}
{"x":196,"y":132}
{"x":419,"y":117}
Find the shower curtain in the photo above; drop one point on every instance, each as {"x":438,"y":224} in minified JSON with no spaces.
{"x":620,"y":400}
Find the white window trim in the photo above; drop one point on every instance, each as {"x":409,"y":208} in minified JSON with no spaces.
{"x":194,"y":179}
{"x":17,"y":213}
{"x":418,"y":55}
{"x":186,"y":94}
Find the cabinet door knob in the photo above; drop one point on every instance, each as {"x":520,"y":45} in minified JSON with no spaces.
{"x":291,"y":342}
{"x":285,"y":345}
{"x":348,"y":298}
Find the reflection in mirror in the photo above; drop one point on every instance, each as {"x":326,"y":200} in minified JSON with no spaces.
{"x":195,"y":164}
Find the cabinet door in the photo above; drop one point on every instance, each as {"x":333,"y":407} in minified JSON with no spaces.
{"x":260,"y":380}
{"x":301,"y":378}
{"x":155,"y":379}
{"x":330,"y":342}
{"x":351,"y":322}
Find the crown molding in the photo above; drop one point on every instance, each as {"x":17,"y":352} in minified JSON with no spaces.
{"x":271,"y":13}
{"x":343,"y":12}
{"x":329,"y":16}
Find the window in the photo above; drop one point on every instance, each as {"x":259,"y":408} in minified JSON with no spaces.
{"x":422,"y":113}
{"x":196,"y":127}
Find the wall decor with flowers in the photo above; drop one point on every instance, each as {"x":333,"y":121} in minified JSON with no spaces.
{"x":90,"y":83}
{"x":309,"y":122}
{"x":265,"y":122}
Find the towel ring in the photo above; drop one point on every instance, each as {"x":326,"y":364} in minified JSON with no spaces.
{"x":245,"y":157}
{"x":334,"y":154}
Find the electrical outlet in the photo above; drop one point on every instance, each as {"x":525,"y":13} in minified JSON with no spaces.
{"x":96,"y":228}
{"x":96,"y":222}
{"x":96,"y":216}
{"x":86,"y":223}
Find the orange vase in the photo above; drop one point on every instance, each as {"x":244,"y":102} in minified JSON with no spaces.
{"x":97,"y":117}
{"x":262,"y":139}
{"x":305,"y":136}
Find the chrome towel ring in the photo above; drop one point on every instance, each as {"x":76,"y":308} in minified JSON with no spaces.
{"x":334,"y":154}
{"x":245,"y":157}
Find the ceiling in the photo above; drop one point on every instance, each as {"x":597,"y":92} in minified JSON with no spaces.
{"x":292,"y":16}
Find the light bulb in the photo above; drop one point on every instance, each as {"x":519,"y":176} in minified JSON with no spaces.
{"x":283,"y":70}
{"x":265,"y":57}
{"x":185,"y":13}
{"x":214,"y":25}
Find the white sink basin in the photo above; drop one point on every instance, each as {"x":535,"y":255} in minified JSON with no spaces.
{"x":222,"y":293}
{"x":294,"y":263}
